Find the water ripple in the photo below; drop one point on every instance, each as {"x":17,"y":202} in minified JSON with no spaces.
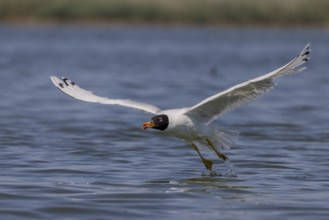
{"x":65,"y":159}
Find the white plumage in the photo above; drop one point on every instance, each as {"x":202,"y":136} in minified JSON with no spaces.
{"x":193,"y":123}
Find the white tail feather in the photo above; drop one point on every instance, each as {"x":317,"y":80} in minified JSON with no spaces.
{"x":224,"y":139}
{"x":220,"y":138}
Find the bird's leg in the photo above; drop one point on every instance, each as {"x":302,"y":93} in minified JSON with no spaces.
{"x":231,"y":169}
{"x":207,"y":163}
{"x":219,"y":154}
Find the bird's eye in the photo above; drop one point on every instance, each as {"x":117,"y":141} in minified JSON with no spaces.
{"x":160,"y":120}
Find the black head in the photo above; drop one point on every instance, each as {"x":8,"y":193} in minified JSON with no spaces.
{"x":159,"y":122}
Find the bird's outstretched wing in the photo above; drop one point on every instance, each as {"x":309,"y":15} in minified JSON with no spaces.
{"x":236,"y":96}
{"x":73,"y":90}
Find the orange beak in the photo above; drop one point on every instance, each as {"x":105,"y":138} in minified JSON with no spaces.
{"x":149,"y":124}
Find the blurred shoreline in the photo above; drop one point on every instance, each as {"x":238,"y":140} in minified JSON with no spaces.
{"x":276,"y":13}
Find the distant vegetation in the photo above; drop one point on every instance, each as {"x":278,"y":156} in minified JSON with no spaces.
{"x":169,"y":12}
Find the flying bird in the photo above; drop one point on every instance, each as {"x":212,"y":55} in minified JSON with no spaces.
{"x":193,"y":124}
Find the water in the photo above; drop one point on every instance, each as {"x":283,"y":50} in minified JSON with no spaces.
{"x":65,"y":159}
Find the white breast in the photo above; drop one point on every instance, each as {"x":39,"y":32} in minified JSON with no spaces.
{"x":182,"y":126}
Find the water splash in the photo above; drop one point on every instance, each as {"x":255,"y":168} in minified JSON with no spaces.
{"x":231,"y":172}
{"x":210,"y":173}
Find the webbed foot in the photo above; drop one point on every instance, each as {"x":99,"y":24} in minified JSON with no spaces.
{"x":208,"y":163}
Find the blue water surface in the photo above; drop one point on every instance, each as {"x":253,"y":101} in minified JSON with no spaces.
{"x":65,"y":159}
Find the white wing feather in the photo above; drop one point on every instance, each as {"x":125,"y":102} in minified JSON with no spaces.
{"x":73,"y":90}
{"x":236,"y":96}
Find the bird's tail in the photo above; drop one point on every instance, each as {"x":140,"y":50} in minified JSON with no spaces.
{"x":224,"y":138}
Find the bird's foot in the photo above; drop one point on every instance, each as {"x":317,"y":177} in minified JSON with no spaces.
{"x":222,"y":156}
{"x":208,"y":163}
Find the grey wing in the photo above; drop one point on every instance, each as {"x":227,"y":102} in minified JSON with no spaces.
{"x":73,"y":90}
{"x":236,"y":96}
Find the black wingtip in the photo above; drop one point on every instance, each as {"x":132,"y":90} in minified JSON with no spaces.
{"x":306,"y":52}
{"x":65,"y":81}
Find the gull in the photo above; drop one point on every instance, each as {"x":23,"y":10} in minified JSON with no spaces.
{"x":193,"y":124}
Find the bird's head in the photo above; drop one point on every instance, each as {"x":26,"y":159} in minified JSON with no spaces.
{"x":159,"y":122}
